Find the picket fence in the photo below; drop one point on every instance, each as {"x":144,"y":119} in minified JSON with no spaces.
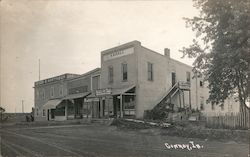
{"x":229,"y":121}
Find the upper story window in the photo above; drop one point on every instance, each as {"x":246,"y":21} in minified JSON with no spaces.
{"x":201,"y":83}
{"x":96,"y":82}
{"x":111,"y":74}
{"x":61,"y":90}
{"x":124,"y":71}
{"x":150,"y":72}
{"x":43,"y":94}
{"x":188,"y":74}
{"x":52,"y":92}
{"x":37,"y":94}
{"x":222,"y":107}
{"x":212,"y":106}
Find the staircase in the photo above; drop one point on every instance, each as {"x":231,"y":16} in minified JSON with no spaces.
{"x":166,"y":98}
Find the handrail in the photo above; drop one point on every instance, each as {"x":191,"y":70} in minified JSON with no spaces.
{"x":167,"y":93}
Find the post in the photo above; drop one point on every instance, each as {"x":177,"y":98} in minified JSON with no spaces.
{"x":180,"y":98}
{"x":121,"y":111}
{"x":66,"y":110}
{"x":22,"y":106}
{"x":87,"y":110}
{"x":108,"y":105}
{"x":39,"y":70}
{"x":190,"y":99}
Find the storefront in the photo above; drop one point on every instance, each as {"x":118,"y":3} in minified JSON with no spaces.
{"x":105,"y":103}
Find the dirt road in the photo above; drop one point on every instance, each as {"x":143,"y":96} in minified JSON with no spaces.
{"x":108,"y":141}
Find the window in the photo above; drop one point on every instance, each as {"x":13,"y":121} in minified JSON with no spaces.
{"x":212,"y":106}
{"x":188,"y":74}
{"x":201,"y":83}
{"x":222,"y":107}
{"x":61,"y":90}
{"x":52,"y":92}
{"x":96,"y":82}
{"x":43,"y":94}
{"x":110,"y":74}
{"x":173,"y":75}
{"x":150,"y":71}
{"x":37,"y":94}
{"x":37,"y":112}
{"x":44,"y":113}
{"x":124,"y":72}
{"x":202,"y":103}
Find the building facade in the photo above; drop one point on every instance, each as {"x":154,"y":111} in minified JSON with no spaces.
{"x":62,"y":97}
{"x":49,"y":90}
{"x":138,"y":79}
{"x":131,"y":81}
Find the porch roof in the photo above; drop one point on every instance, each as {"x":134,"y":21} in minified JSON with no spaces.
{"x":118,"y":91}
{"x":51,"y":104}
{"x":75,"y":96}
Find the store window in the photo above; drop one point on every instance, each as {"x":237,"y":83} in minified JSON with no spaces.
{"x":44,"y":114}
{"x":150,"y":71}
{"x":124,"y":72}
{"x":110,"y":74}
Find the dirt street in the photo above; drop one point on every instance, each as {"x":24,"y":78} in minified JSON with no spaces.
{"x":108,"y":141}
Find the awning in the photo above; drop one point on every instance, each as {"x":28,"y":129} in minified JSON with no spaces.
{"x":51,"y":104}
{"x":75,"y":96}
{"x":118,"y":91}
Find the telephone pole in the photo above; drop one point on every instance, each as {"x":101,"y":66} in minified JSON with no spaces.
{"x":39,"y":71}
{"x":22,"y":106}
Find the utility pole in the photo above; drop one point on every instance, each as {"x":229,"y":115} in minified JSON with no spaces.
{"x":22,"y":106}
{"x":39,"y":75}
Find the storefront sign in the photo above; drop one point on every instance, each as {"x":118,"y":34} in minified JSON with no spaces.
{"x":184,"y":85}
{"x":53,"y":79}
{"x":101,"y":92}
{"x":91,"y":99}
{"x":117,"y":54}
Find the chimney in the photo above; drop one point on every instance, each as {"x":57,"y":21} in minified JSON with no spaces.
{"x":167,"y":52}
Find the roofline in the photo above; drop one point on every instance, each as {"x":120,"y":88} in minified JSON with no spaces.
{"x":86,"y":74}
{"x":132,"y":43}
{"x":171,"y":59}
{"x":58,"y":75}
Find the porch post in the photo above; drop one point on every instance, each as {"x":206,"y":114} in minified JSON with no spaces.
{"x":121,"y":110}
{"x":66,"y":110}
{"x":190,"y":99}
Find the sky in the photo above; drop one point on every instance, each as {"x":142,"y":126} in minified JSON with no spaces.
{"x":68,"y":36}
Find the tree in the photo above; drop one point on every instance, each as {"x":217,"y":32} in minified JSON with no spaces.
{"x":222,"y":48}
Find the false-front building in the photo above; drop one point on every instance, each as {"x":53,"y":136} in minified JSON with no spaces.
{"x":132,"y":80}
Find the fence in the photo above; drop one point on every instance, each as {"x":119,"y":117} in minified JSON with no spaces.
{"x":229,"y":121}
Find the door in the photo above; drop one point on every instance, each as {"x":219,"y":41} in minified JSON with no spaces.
{"x":52,"y":113}
{"x":48,"y":114}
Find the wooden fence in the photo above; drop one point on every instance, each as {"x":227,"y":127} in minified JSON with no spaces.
{"x":229,"y":121}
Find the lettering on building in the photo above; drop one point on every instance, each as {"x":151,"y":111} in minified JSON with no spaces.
{"x":117,"y":54}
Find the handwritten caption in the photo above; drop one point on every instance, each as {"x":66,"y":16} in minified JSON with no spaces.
{"x":188,"y":146}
